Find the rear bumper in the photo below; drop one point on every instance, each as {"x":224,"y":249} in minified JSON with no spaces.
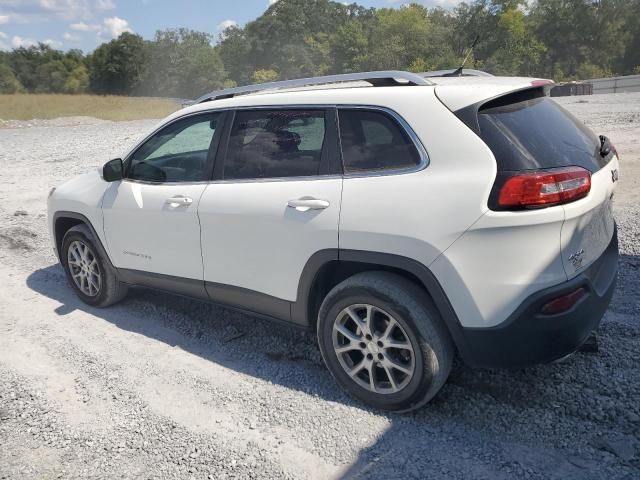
{"x":527,"y":337}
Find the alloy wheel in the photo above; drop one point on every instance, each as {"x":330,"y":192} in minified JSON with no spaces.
{"x":373,"y":348}
{"x":84,"y":268}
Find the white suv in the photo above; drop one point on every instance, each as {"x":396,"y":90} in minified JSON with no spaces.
{"x":402,"y":217}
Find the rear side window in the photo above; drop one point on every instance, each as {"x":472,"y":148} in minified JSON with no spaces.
{"x":275,"y":143}
{"x":536,"y":133}
{"x":373,"y":141}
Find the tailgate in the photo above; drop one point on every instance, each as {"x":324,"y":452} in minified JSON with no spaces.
{"x":589,"y":224}
{"x":530,"y":133}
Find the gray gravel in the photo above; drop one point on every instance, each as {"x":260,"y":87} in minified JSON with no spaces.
{"x":165,"y":387}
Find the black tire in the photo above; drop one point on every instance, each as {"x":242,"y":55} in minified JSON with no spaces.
{"x":111,"y":289}
{"x":411,"y":307}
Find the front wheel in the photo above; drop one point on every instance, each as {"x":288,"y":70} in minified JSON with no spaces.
{"x":384,"y":342}
{"x":89,"y":273}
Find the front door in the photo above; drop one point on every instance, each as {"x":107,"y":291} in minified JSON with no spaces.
{"x":151,"y":217}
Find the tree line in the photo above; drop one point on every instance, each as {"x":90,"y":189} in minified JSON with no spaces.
{"x":559,"y":39}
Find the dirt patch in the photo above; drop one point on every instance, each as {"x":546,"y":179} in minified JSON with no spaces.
{"x":18,"y":238}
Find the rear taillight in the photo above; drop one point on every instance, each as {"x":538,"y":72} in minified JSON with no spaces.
{"x":544,"y":187}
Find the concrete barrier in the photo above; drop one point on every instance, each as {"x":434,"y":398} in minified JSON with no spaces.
{"x":629,"y":83}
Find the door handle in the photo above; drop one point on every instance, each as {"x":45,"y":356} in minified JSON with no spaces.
{"x":308,"y":203}
{"x":179,"y":200}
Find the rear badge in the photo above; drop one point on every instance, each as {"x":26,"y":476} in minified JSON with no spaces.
{"x":576,"y":258}
{"x":614,"y":175}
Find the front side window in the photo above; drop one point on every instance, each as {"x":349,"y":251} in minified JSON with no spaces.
{"x":275,"y":144}
{"x":373,"y":141}
{"x":177,"y":153}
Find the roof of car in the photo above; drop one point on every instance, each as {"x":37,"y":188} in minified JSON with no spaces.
{"x":374,"y":88}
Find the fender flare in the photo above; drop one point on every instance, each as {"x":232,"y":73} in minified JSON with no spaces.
{"x":420,"y":271}
{"x":78,"y":216}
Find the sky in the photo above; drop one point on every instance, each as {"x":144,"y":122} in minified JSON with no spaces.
{"x":84,"y":24}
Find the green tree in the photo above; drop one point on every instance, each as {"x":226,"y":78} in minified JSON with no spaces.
{"x":51,"y":77}
{"x":26,"y":64}
{"x":8,"y":81}
{"x":630,"y":62}
{"x":183,"y":64}
{"x":120,"y":66}
{"x":264,"y":76}
{"x":578,"y":32}
{"x":293,"y":37}
{"x":77,"y":81}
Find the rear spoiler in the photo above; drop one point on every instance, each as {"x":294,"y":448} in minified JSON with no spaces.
{"x":460,"y":92}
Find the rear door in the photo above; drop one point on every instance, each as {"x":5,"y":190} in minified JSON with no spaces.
{"x":529,"y":131}
{"x":275,"y":203}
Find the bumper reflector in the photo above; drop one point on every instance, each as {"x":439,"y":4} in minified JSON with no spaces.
{"x":564,"y":302}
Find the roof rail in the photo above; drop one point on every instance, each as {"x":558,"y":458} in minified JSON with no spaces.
{"x":376,"y":79}
{"x":466,"y":72}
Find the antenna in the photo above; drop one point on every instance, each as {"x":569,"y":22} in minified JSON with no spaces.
{"x":458,"y":72}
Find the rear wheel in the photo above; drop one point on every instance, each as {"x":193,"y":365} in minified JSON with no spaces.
{"x":89,"y":273}
{"x":384,"y":342}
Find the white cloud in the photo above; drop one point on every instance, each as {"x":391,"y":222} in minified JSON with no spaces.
{"x":52,"y":43}
{"x":3,"y":35}
{"x":105,"y":4}
{"x":114,"y":27}
{"x":4,"y":19}
{"x":68,"y":9}
{"x":70,"y":37}
{"x":18,"y":42}
{"x":222,"y":26}
{"x":271,"y":2}
{"x":84,"y":27}
{"x":111,"y":27}
{"x":32,"y":11}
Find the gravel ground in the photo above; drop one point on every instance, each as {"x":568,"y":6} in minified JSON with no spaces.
{"x":164,"y":387}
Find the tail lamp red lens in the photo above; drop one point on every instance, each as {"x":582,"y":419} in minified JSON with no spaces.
{"x":564,"y":302}
{"x":545,"y":187}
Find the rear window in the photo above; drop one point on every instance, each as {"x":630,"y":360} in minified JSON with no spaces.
{"x":528,"y":133}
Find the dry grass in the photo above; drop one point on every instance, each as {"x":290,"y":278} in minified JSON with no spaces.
{"x":45,"y":106}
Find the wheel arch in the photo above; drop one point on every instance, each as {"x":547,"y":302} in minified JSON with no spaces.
{"x":64,"y":220}
{"x":327,"y":268}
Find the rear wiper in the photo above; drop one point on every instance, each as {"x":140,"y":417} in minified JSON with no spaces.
{"x":605,"y":146}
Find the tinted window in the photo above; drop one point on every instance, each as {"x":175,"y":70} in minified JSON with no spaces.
{"x":373,"y":140}
{"x":537,"y":133}
{"x":275,"y":143}
{"x":177,"y":153}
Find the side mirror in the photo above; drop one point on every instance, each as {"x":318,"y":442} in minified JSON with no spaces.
{"x":113,"y":170}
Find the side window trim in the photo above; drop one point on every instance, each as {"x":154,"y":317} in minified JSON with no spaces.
{"x":403,"y":125}
{"x":333,"y":150}
{"x":330,"y":160}
{"x":211,"y":154}
{"x":218,"y":169}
